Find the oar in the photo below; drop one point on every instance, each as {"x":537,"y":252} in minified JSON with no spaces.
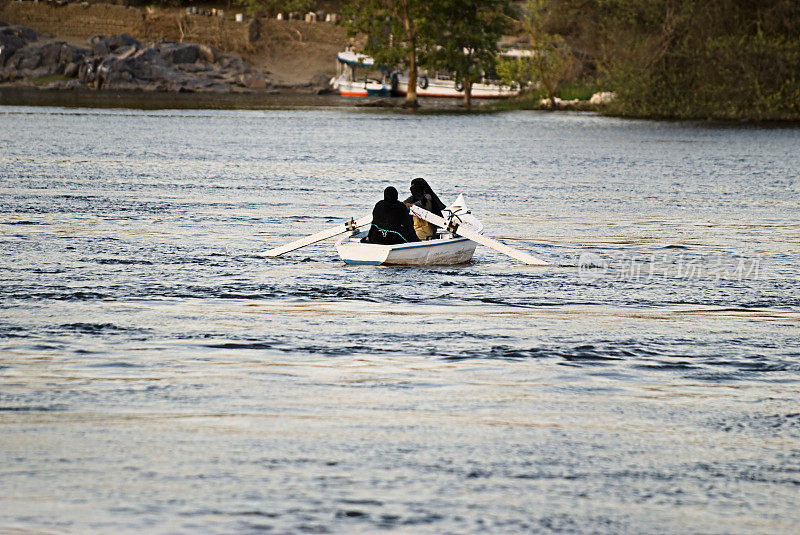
{"x":463,"y":229}
{"x":346,"y":226}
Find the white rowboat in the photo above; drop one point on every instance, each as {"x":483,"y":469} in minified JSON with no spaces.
{"x":448,"y":248}
{"x":457,"y":237}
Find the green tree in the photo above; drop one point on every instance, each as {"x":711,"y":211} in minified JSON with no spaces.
{"x":728,"y":59}
{"x":396,"y":33}
{"x":550,"y":63}
{"x":465,"y":37}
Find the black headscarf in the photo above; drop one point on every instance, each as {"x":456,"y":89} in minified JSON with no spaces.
{"x":423,"y":196}
{"x":391,"y":221}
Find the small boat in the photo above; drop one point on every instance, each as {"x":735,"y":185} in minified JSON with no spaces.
{"x":349,"y":81}
{"x":457,"y":237}
{"x":447,"y":248}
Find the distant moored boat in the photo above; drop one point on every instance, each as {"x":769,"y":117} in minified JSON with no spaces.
{"x":349,"y":81}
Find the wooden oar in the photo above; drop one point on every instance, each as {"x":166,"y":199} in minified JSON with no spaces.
{"x":347,"y":226}
{"x":463,"y":229}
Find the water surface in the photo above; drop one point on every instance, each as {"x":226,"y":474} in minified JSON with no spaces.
{"x":157,"y":375}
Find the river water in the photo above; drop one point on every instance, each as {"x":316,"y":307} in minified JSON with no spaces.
{"x":157,"y":376}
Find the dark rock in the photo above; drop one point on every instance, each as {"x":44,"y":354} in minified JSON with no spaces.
{"x":71,"y":70}
{"x":253,"y":80}
{"x":194,"y":67}
{"x":100,"y":48}
{"x":121,"y":63}
{"x":147,"y":55}
{"x":23,"y":32}
{"x":12,"y":39}
{"x":31,"y":58}
{"x":13,"y":62}
{"x":50,"y":54}
{"x":125,"y":51}
{"x":7,"y":75}
{"x":44,"y":70}
{"x":120,"y":41}
{"x":8,"y":45}
{"x":208,"y":53}
{"x":321,"y":80}
{"x":180,"y":53}
{"x":72,"y":54}
{"x":234,"y":63}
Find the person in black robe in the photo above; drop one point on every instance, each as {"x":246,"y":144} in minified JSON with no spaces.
{"x":391,"y":221}
{"x":423,"y":196}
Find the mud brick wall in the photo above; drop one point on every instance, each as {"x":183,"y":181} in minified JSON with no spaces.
{"x":76,"y":20}
{"x":73,"y":19}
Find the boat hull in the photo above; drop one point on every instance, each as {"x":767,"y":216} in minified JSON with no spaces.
{"x":348,"y":88}
{"x":447,"y":89}
{"x":426,"y":253}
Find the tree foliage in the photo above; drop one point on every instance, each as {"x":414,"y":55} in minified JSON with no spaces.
{"x":465,"y":35}
{"x":398,"y":33}
{"x":551,"y":63}
{"x":692,"y":58}
{"x":458,"y":36}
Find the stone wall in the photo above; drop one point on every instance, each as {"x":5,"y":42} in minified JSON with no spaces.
{"x":84,"y":21}
{"x":73,"y":19}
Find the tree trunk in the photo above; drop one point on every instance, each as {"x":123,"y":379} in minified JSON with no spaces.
{"x":411,"y":94}
{"x":411,"y":33}
{"x":550,"y":88}
{"x":467,"y":93}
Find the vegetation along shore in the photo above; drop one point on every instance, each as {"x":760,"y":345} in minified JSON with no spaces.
{"x":683,"y":59}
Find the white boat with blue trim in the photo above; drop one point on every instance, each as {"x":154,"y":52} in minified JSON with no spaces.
{"x":446,"y":249}
{"x":352,"y":78}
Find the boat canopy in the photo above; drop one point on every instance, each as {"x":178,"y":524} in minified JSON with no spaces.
{"x":356,"y":60}
{"x":517,"y":53}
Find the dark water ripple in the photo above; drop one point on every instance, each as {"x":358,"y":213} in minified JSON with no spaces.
{"x":157,"y":375}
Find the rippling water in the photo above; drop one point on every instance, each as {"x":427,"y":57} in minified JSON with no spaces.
{"x":157,"y":376}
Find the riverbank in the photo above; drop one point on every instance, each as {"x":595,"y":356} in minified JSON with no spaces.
{"x":287,"y":52}
{"x":281,"y":98}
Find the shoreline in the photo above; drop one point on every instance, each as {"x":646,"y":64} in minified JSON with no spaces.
{"x":304,"y":98}
{"x":281,"y":98}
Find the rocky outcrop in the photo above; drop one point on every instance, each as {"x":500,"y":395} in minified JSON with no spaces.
{"x":603,"y":98}
{"x":13,"y":38}
{"x":597,"y":101}
{"x":121,"y":62}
